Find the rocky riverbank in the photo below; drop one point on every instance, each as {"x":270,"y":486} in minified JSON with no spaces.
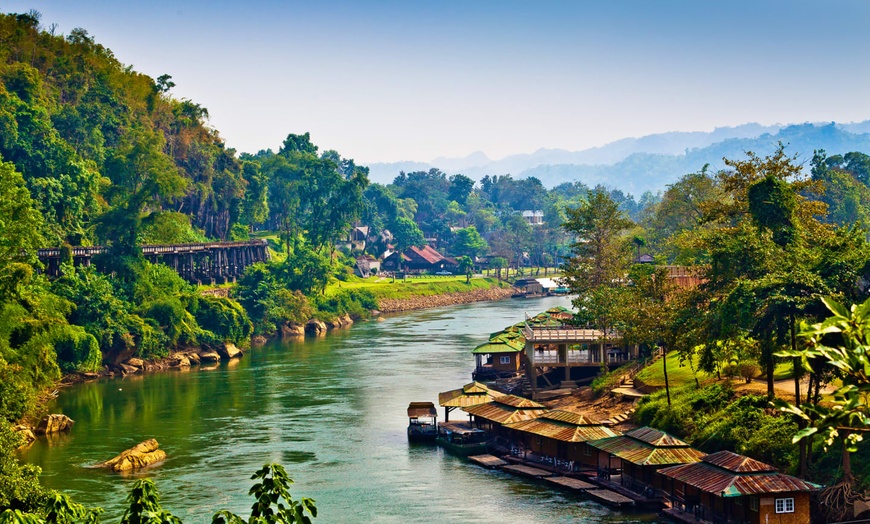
{"x":177,"y":360}
{"x":448,"y":299}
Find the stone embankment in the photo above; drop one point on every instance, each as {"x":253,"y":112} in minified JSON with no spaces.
{"x":449,"y":299}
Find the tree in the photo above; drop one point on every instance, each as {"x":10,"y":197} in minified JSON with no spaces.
{"x":599,"y":253}
{"x":460,"y":188}
{"x":468,"y":242}
{"x":406,"y":234}
{"x":466,"y":266}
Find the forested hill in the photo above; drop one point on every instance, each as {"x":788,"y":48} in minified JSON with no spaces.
{"x":650,"y":163}
{"x":108,"y":154}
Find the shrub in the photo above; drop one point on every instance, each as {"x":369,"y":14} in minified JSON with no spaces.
{"x":224,"y":317}
{"x":749,"y":370}
{"x":77,"y":350}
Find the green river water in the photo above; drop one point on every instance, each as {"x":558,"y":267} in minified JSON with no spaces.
{"x":331,"y":410}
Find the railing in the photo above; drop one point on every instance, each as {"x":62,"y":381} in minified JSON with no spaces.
{"x":548,"y":357}
{"x":155,"y":249}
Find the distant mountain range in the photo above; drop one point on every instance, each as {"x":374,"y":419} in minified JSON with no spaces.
{"x":651,"y":162}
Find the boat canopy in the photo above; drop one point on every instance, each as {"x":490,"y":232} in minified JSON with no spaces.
{"x":421,"y":409}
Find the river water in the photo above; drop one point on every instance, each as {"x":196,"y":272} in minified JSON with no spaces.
{"x":331,"y":410}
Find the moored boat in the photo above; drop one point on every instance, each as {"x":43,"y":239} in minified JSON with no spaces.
{"x":462,"y":439}
{"x":422,"y":422}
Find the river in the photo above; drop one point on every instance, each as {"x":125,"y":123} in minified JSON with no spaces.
{"x":331,"y":410}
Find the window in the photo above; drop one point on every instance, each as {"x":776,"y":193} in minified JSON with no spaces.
{"x":504,"y":360}
{"x":785,"y":505}
{"x":587,"y":450}
{"x":753,"y":503}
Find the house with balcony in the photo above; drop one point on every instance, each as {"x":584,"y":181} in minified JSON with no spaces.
{"x":555,"y":345}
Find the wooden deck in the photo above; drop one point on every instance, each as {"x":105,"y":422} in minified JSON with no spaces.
{"x":488,"y":461}
{"x":528,"y":471}
{"x":611,"y":498}
{"x":571,"y":483}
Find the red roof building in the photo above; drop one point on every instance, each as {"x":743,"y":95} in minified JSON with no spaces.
{"x":727,"y":487}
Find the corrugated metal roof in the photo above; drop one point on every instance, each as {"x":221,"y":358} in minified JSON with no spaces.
{"x":643,"y":454}
{"x":501,"y":413}
{"x":470,"y":394}
{"x":499,"y":346}
{"x":518,"y":402}
{"x":562,"y":431}
{"x":736,"y":463}
{"x":724,"y":483}
{"x":421,"y":409}
{"x":569,"y":417}
{"x":656,"y":438}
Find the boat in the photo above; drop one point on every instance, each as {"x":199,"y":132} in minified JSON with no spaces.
{"x":462,"y":439}
{"x":422,"y":422}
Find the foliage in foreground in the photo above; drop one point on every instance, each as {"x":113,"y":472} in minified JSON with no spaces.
{"x":273,"y":504}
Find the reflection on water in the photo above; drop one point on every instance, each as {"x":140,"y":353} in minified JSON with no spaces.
{"x":332,"y":410}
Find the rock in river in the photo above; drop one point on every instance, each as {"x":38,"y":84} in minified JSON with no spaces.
{"x":54,"y":423}
{"x":229,"y":350}
{"x":139,"y":456}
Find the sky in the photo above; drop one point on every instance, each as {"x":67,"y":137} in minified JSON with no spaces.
{"x":415,"y":80}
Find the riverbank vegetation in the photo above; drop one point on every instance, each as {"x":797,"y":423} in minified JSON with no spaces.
{"x":740,"y":263}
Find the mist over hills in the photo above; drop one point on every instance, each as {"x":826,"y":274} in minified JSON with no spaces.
{"x":650,"y":162}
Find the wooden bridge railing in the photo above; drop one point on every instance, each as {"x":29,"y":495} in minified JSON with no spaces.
{"x":203,"y":262}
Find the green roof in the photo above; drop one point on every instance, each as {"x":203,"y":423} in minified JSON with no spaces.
{"x":501,"y":344}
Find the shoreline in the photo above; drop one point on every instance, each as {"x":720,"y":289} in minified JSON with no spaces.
{"x":398,"y":305}
{"x":190,"y":357}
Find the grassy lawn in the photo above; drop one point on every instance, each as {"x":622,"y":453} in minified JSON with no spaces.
{"x":385,"y":287}
{"x":678,"y":373}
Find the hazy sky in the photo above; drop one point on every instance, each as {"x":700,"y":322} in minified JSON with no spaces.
{"x":406,"y":80}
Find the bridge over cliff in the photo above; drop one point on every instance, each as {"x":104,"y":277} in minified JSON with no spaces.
{"x":209,"y":263}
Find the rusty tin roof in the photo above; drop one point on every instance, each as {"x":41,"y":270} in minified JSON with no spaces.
{"x":656,"y":438}
{"x":630,"y":448}
{"x":560,"y":430}
{"x":506,"y":409}
{"x":738,"y":477}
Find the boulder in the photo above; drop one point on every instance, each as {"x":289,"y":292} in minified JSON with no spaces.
{"x":135,"y":362}
{"x":179,"y":360}
{"x":860,"y":507}
{"x":315,"y":327}
{"x":346,"y":320}
{"x":54,"y":423}
{"x":127,"y":370}
{"x":26,"y":433}
{"x":292,"y":330}
{"x":229,"y":350}
{"x":139,"y":456}
{"x":209,"y":356}
{"x":192,"y":357}
{"x":333,"y":324}
{"x":258,"y":340}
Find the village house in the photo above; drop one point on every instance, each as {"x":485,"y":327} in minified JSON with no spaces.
{"x":534,"y":217}
{"x":559,"y":435}
{"x":366,"y":266}
{"x":493,"y":415}
{"x":501,"y":355}
{"x":553,"y":345}
{"x":636,"y":456}
{"x":471,"y":394}
{"x":725,"y":487}
{"x":419,"y":259}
